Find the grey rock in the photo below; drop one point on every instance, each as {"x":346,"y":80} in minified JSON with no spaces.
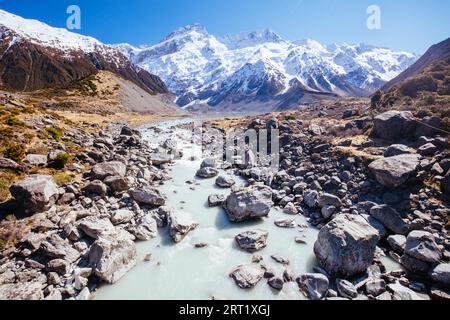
{"x":247,"y":276}
{"x":112,"y":256}
{"x":252,"y":241}
{"x":395,"y":171}
{"x":122,"y":216}
{"x":117,"y":183}
{"x":422,"y":246}
{"x":35,"y":193}
{"x":37,"y":160}
{"x":276,"y":282}
{"x":60,"y":266}
{"x":248,"y":203}
{"x":149,"y":196}
{"x":216,"y":200}
{"x":346,"y":245}
{"x":207,"y":173}
{"x":441,"y":274}
{"x":314,"y":285}
{"x":21,"y":291}
{"x":105,"y":169}
{"x":95,"y":227}
{"x":390,"y":218}
{"x":375,"y":287}
{"x":326,"y":199}
{"x":397,"y":243}
{"x":346,"y":289}
{"x":96,"y":187}
{"x":180,"y":224}
{"x":225,"y":182}
{"x":398,"y":149}
{"x":394,"y":125}
{"x":310,"y":197}
{"x":161,"y":158}
{"x":145,"y":229}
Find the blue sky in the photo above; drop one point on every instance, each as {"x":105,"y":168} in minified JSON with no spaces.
{"x":411,"y":25}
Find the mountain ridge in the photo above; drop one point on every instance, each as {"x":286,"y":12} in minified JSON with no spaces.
{"x":195,"y":65}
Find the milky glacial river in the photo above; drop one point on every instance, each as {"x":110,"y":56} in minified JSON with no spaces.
{"x":181,"y":271}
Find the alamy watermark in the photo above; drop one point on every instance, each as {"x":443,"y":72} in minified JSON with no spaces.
{"x":245,"y":148}
{"x":374,"y":19}
{"x":73,"y":22}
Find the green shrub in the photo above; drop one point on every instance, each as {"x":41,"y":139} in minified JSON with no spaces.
{"x":61,"y":160}
{"x":13,"y":151}
{"x":63,"y":178}
{"x":14,"y":122}
{"x":55,"y":132}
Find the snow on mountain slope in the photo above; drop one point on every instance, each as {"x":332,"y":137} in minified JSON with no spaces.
{"x":42,"y":34}
{"x":202,"y":68}
{"x":34,"y":55}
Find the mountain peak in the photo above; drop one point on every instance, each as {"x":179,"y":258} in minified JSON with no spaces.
{"x":195,"y":27}
{"x":248,"y":39}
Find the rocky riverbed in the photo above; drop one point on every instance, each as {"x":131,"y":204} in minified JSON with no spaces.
{"x":320,"y":227}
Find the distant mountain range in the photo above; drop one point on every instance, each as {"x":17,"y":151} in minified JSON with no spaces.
{"x":34,"y":56}
{"x":257,"y":71}
{"x":261,"y":70}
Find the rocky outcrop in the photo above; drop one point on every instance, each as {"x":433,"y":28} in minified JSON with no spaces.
{"x":395,"y":171}
{"x":248,"y":203}
{"x":346,"y":245}
{"x":36,"y":193}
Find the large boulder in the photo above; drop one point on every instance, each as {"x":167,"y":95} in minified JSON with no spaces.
{"x":247,"y":276}
{"x":36,"y":160}
{"x":390,"y":218}
{"x":36,"y":193}
{"x":393,"y":172}
{"x":112,"y":256}
{"x":346,"y":245}
{"x":105,"y":169}
{"x":180,"y":224}
{"x":149,"y":196}
{"x":248,"y":203}
{"x":421,"y":245}
{"x":252,"y":241}
{"x":395,"y":125}
{"x":314,"y":285}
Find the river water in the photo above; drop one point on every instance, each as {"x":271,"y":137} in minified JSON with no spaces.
{"x":181,"y":271}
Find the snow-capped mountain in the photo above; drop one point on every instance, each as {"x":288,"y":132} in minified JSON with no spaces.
{"x":34,"y":56}
{"x":202,"y":68}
